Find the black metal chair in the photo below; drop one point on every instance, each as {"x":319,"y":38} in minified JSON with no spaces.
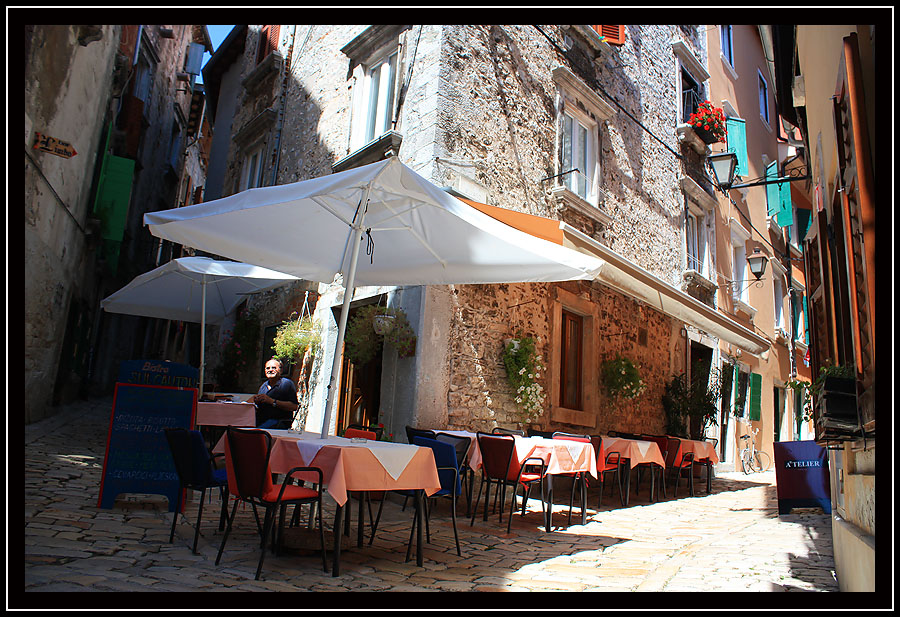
{"x":417,"y":432}
{"x":196,"y":471}
{"x":499,"y":430}
{"x":533,"y":432}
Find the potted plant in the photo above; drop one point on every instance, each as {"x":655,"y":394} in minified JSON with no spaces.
{"x":523,"y":366}
{"x":364,"y":339}
{"x":621,"y":378}
{"x":833,"y":391}
{"x":691,"y":406}
{"x":295,"y":336}
{"x":709,"y":123}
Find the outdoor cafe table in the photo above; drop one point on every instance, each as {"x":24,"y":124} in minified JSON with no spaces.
{"x":226,"y":414}
{"x":636,"y":451}
{"x":349,"y":465}
{"x":560,"y":456}
{"x":703,"y":451}
{"x":219,"y":414}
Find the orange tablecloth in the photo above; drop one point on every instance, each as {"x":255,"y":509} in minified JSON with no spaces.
{"x":701,"y":450}
{"x":559,"y":455}
{"x":352,"y":468}
{"x":636,"y":450}
{"x":226,"y":414}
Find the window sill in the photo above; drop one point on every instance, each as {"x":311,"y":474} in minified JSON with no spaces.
{"x":801,"y":346}
{"x":728,"y":68}
{"x":693,"y":277}
{"x":572,"y":416}
{"x":781,"y":336}
{"x":376,"y":150}
{"x":686,"y":135}
{"x":565,"y":198}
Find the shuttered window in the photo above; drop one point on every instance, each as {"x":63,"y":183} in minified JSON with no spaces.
{"x":778,"y":197}
{"x":736,"y":141}
{"x":614,"y":35}
{"x":268,"y":42}
{"x":111,"y":203}
{"x":755,"y":395}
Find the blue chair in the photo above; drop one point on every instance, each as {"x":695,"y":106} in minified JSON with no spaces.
{"x":451,"y":484}
{"x":196,"y":471}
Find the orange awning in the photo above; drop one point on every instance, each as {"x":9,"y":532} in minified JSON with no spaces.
{"x":631,"y":279}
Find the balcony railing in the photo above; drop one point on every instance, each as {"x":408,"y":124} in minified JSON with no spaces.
{"x":690,"y":101}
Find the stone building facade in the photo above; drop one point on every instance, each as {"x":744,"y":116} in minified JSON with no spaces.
{"x":552,"y":121}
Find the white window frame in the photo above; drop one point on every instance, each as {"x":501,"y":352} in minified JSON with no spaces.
{"x":583,"y":155}
{"x":686,"y":60}
{"x":252,"y":171}
{"x":763,"y":96}
{"x":727,"y":46}
{"x":739,"y":268}
{"x":373,"y":118}
{"x":695,"y":243}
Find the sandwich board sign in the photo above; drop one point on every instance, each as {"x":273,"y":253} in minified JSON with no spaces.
{"x":137,"y":458}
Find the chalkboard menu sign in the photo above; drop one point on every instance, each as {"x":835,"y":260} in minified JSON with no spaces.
{"x":138,"y":459}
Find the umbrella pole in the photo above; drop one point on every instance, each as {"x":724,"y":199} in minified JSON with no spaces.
{"x":202,"y":336}
{"x":342,"y":322}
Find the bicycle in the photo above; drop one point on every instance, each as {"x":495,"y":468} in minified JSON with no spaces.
{"x":753,"y":460}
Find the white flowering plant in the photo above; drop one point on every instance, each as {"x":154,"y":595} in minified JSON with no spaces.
{"x":523,"y":370}
{"x":621,"y":377}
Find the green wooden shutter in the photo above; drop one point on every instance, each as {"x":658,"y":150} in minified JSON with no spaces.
{"x":755,"y":395}
{"x":804,"y":217}
{"x":111,"y":203}
{"x":736,"y":141}
{"x":805,"y":320}
{"x":778,"y":197}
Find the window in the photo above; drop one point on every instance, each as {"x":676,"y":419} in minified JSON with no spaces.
{"x":691,"y":95}
{"x":763,"y":98}
{"x":726,"y":42}
{"x":580,"y":111}
{"x":571,"y":360}
{"x":798,"y":308}
{"x":614,"y":35}
{"x":800,"y":225}
{"x":143,"y":78}
{"x":252,"y":173}
{"x":739,"y":269}
{"x":268,"y":42}
{"x":779,"y":302}
{"x":695,"y":235}
{"x":175,"y":145}
{"x":577,"y":156}
{"x":378,"y":96}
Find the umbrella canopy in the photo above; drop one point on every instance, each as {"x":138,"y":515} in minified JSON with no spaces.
{"x":413,"y":233}
{"x":195,"y":289}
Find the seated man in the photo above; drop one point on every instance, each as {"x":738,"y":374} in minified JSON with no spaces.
{"x":276,"y":400}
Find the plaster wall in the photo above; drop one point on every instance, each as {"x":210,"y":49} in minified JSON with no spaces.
{"x":66,"y":92}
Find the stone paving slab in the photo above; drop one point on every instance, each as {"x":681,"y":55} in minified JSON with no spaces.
{"x":731,"y":540}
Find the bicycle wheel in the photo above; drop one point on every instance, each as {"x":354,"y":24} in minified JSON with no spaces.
{"x":745,"y":462}
{"x":761,"y":461}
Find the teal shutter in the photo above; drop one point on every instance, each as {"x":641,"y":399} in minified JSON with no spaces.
{"x":805,"y":320}
{"x":755,"y":395}
{"x":736,"y":141}
{"x":778,"y":197}
{"x":804,"y":217}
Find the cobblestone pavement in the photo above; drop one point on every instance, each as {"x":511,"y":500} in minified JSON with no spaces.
{"x":731,"y":540}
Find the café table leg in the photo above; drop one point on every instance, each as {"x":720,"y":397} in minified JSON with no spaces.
{"x":336,"y":552}
{"x":548,"y":516}
{"x":420,"y":522}
{"x":628,"y":484}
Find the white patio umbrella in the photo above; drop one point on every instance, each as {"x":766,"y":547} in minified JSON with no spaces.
{"x":194,"y":289}
{"x":414,"y":233}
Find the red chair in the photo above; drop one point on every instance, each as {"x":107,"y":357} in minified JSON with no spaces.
{"x":611,"y":463}
{"x":356,"y":432}
{"x":677,"y":465}
{"x":577,"y":477}
{"x":499,"y":466}
{"x":247,"y":453}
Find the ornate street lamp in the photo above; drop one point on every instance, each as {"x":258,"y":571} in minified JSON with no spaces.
{"x":723,"y":165}
{"x":757,"y":263}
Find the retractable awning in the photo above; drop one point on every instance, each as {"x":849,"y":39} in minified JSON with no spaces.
{"x":629,"y":278}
